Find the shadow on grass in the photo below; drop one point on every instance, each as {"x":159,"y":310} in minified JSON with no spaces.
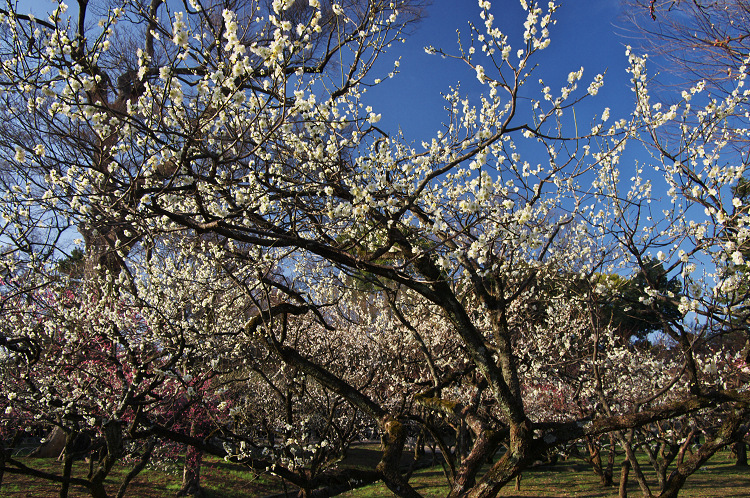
{"x":221,"y":479}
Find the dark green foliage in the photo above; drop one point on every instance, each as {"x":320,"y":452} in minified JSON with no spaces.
{"x":72,"y":265}
{"x":632,"y":312}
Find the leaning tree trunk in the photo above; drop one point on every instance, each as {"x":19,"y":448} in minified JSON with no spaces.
{"x":729,"y":431}
{"x":145,"y":457}
{"x":623,"y":491}
{"x":595,"y":459}
{"x":520,"y":454}
{"x":67,"y":463}
{"x":53,"y":445}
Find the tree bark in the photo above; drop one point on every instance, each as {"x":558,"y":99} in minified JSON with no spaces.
{"x":660,"y":459}
{"x":485,"y":445}
{"x":394,"y":436}
{"x":191,"y":473}
{"x":631,"y":458}
{"x":137,"y":469}
{"x":595,"y":459}
{"x":623,"y":490}
{"x":520,"y":454}
{"x":67,"y":463}
{"x":114,"y":451}
{"x":740,"y":449}
{"x":609,"y":470}
{"x":53,"y":445}
{"x":729,"y":432}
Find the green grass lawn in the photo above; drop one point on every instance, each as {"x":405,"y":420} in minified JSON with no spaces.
{"x":719,"y":479}
{"x":219,"y":478}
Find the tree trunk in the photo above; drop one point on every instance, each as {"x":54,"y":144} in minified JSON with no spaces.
{"x":740,"y":449}
{"x":729,"y":431}
{"x":623,"y":492}
{"x":113,"y":452}
{"x":419,"y":445}
{"x":609,"y":470}
{"x":519,"y":455}
{"x":191,"y":474}
{"x":393,"y":437}
{"x":53,"y":445}
{"x":660,"y":459}
{"x":661,"y":476}
{"x":639,"y":477}
{"x":485,"y":444}
{"x":463,"y":441}
{"x":67,"y":463}
{"x":595,"y":459}
{"x":145,"y":457}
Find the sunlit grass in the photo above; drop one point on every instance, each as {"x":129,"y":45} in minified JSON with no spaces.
{"x":572,"y":478}
{"x":221,"y":479}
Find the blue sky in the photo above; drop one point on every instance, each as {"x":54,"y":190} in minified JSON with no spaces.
{"x":588,"y":33}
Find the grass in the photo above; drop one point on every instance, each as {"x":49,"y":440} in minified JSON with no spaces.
{"x":719,"y":478}
{"x":572,"y":478}
{"x":220,"y":479}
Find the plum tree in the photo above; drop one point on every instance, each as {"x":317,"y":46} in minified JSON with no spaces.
{"x":242,"y":197}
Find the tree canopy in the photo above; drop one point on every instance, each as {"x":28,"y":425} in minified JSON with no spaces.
{"x":267,"y":272}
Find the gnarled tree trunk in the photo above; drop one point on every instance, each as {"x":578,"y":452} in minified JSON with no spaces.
{"x":191,"y":473}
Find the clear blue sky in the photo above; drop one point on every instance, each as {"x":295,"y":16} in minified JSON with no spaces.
{"x":586,"y":34}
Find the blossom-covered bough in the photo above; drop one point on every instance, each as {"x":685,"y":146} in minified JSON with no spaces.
{"x":234,"y":190}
